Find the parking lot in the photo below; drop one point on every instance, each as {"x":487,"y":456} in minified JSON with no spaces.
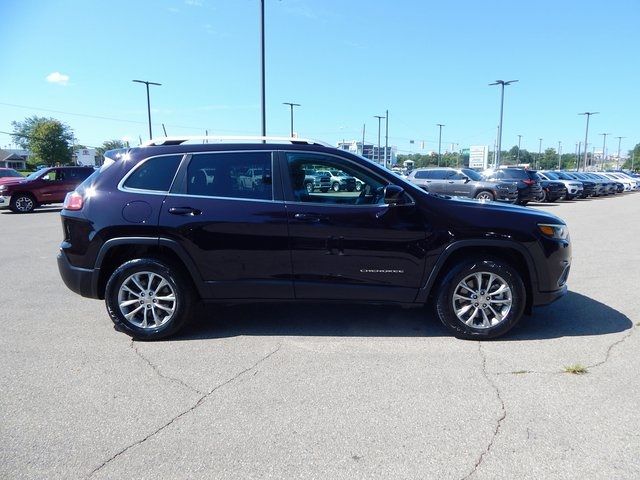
{"x":324,"y":391}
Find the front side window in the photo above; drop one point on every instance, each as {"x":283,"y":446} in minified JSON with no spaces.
{"x":156,"y":174}
{"x":231,"y":175}
{"x":360,"y":187}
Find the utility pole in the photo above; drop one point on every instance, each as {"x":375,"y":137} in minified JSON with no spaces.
{"x":379,"y":117}
{"x":386,"y":138}
{"x":147,"y":83}
{"x":440,"y":125}
{"x":539,"y":152}
{"x":559,"y":155}
{"x":604,"y":146}
{"x":618,"y":159}
{"x":364,"y":128}
{"x":291,"y":105}
{"x":502,"y":84}
{"x":518,"y":156}
{"x":578,"y":157}
{"x":262,"y":68}
{"x":586,"y":137}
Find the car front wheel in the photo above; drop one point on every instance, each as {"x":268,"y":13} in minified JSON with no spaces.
{"x":481,"y":299}
{"x":486,"y":196}
{"x":148,"y":299}
{"x":22,"y":203}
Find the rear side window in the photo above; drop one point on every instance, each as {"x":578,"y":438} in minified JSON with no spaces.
{"x":439,"y":174}
{"x":231,"y":175}
{"x":155,"y":174}
{"x":422,"y":174}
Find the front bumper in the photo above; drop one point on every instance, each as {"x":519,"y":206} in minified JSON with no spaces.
{"x":545,"y":298}
{"x":5,"y":201}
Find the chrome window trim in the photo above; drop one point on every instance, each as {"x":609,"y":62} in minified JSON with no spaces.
{"x":220,"y":152}
{"x":121,"y":183}
{"x":189,"y":195}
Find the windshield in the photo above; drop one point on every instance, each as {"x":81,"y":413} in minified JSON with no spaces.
{"x":564,"y":176}
{"x":550,"y":175}
{"x":36,"y":174}
{"x":472,"y":174}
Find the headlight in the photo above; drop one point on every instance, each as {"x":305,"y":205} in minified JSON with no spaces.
{"x":552,"y":230}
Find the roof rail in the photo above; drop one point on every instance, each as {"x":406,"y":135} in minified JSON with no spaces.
{"x":222,"y":139}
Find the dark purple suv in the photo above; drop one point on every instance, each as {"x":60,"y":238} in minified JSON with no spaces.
{"x":162,"y":226}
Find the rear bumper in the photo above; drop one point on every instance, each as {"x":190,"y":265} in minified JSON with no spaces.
{"x":78,"y":280}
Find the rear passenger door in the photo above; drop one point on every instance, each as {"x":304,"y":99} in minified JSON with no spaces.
{"x":234,"y":231}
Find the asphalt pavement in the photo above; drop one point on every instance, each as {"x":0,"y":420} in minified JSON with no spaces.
{"x":320,"y":391}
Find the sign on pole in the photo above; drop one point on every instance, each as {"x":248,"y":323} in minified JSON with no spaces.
{"x":478,"y":157}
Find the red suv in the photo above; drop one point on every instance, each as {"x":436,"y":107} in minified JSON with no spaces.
{"x":49,"y":185}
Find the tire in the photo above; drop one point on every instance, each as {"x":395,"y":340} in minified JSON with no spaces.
{"x":522,"y":202}
{"x":495,"y":321}
{"x":358,"y":187}
{"x":309,"y":187}
{"x":335,"y":187}
{"x":485,"y":195}
{"x":23,"y":203}
{"x":151,"y":319}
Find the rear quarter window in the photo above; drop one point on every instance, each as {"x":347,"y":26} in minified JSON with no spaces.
{"x":155,"y":174}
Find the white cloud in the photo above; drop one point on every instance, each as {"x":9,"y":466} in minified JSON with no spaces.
{"x":59,"y":78}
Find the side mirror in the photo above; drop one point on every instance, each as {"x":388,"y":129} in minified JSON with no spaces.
{"x":467,"y":179}
{"x":393,"y":195}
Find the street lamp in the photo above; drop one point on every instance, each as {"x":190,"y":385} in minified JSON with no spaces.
{"x":559,"y":155}
{"x":379,"y":117}
{"x":539,"y":152}
{"x":618,"y":159}
{"x":291,"y":105}
{"x":147,"y":83}
{"x":262,"y":86}
{"x":502,"y":83}
{"x":604,"y":145}
{"x":440,"y":125}
{"x":586,"y":135}
{"x":518,"y":155}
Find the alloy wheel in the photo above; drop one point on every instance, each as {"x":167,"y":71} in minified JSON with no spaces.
{"x":482,"y":300}
{"x":146,"y":300}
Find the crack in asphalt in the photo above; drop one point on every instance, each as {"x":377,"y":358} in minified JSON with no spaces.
{"x":199,"y":402}
{"x":503,"y":415}
{"x":611,"y":347}
{"x":156,"y":369}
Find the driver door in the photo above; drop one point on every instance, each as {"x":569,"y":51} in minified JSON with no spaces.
{"x":350,"y":245}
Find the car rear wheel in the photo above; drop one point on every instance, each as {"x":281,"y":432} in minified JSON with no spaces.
{"x":148,"y":299}
{"x":309,"y":187}
{"x":335,"y":187}
{"x":481,"y":299}
{"x":22,"y":203}
{"x":358,"y":187}
{"x":485,"y":195}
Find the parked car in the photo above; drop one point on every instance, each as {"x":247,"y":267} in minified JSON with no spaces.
{"x":627,"y":184}
{"x":599,"y":185}
{"x":463,"y":182}
{"x":317,"y":181}
{"x":574,"y":187}
{"x":610,"y":187}
{"x":634,"y":181}
{"x":151,"y":235}
{"x":527,"y":181}
{"x":551,"y":191}
{"x":7,"y":175}
{"x":342,"y":181}
{"x":44,"y":186}
{"x":588,"y":186}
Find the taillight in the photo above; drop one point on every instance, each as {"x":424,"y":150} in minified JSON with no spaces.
{"x":73,"y":201}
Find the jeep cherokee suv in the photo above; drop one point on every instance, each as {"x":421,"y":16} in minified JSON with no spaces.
{"x":164,"y":225}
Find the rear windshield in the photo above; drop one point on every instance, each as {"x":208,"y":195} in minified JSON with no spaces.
{"x":520,"y":174}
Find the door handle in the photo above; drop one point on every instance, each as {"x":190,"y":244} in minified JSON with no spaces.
{"x":308,"y":218}
{"x":450,"y":181}
{"x":186,"y":211}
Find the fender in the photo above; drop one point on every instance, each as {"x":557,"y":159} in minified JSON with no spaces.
{"x":172,"y":245}
{"x":424,"y":292}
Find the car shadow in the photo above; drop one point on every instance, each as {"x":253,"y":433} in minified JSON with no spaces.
{"x":572,"y":315}
{"x":38,"y":210}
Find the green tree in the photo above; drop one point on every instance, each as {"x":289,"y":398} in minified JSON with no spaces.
{"x":48,"y":140}
{"x":110,"y":145}
{"x":634,"y":159}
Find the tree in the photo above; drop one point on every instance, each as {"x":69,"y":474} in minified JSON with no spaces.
{"x":633,"y":159}
{"x":110,"y":145}
{"x":48,"y":140}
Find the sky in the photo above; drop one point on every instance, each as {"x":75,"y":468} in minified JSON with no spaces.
{"x":344,"y":61}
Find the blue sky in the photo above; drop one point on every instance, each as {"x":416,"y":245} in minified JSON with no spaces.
{"x":344,"y":61}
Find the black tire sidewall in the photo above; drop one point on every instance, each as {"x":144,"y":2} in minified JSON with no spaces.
{"x":444,"y":307}
{"x":184,"y":298}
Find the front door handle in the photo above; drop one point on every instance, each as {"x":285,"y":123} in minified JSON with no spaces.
{"x":307,"y":218}
{"x":186,"y":211}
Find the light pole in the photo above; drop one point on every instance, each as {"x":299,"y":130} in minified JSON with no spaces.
{"x":618,"y":159}
{"x":604,"y":146}
{"x":262,"y":82}
{"x":578,"y":157}
{"x":147,"y":83}
{"x":291,"y":105}
{"x":386,"y":138}
{"x":586,"y":137}
{"x":502,"y":83}
{"x":539,"y":152}
{"x":559,"y":155}
{"x":379,"y":117}
{"x":518,"y":155}
{"x":440,"y":125}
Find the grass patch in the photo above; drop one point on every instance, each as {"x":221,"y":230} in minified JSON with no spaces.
{"x":576,"y":369}
{"x":520,"y":372}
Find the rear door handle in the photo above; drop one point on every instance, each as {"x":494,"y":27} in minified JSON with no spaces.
{"x":186,"y":211}
{"x":307,"y":218}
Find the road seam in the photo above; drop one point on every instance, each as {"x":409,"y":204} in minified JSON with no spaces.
{"x":199,"y":402}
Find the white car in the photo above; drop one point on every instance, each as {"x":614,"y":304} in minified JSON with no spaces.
{"x":574,"y":187}
{"x":628,"y":184}
{"x":635,"y":183}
